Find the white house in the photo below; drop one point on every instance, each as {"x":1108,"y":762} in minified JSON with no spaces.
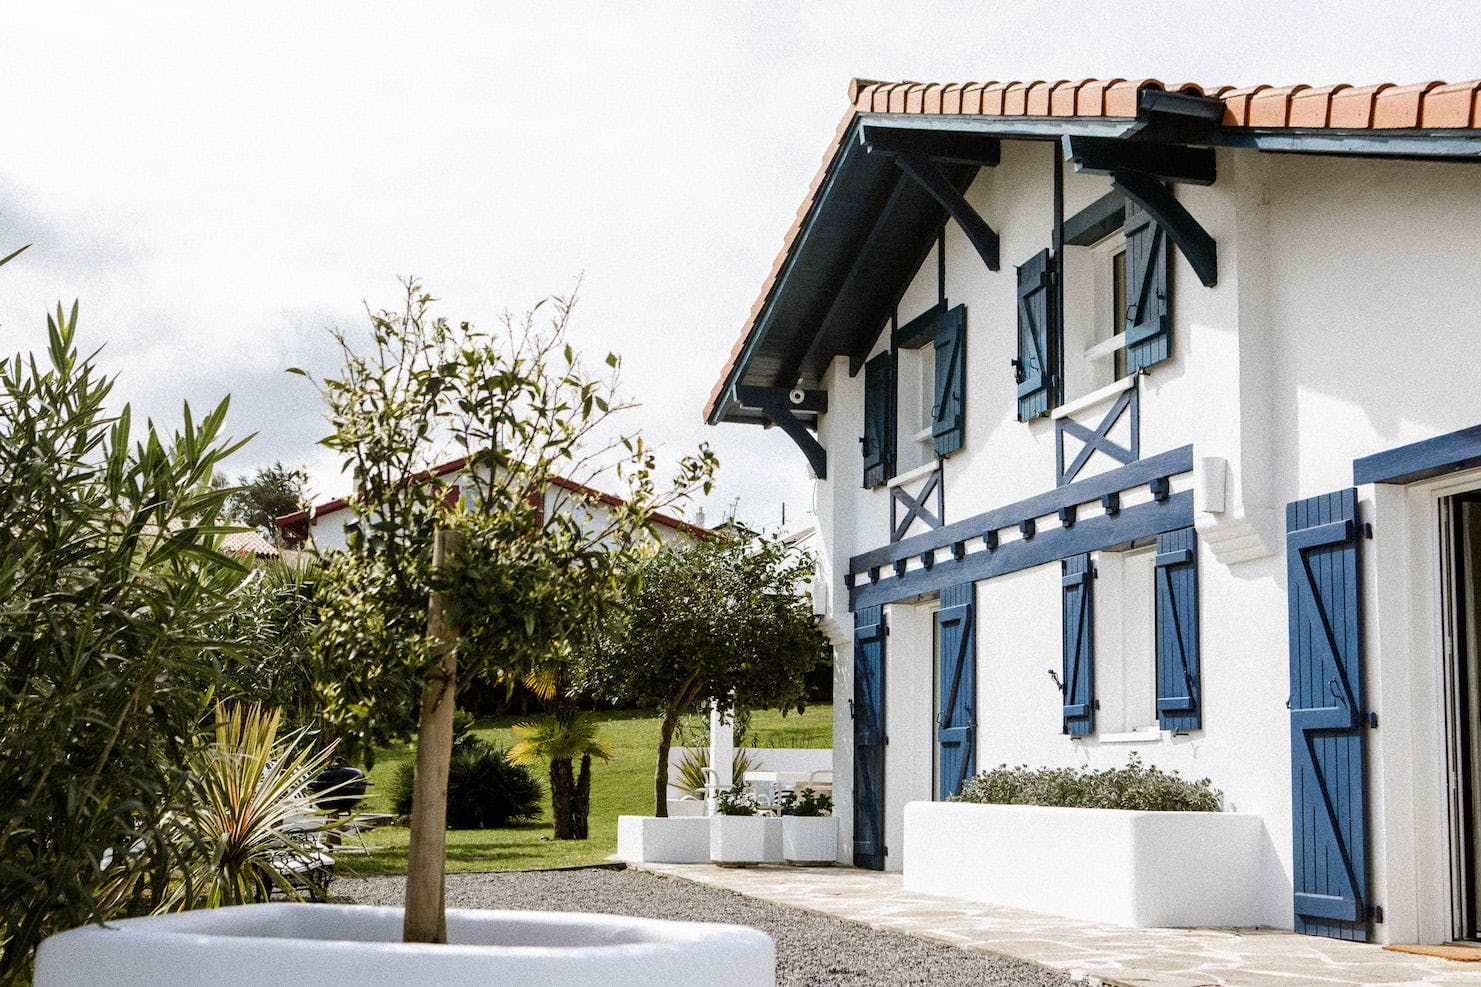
{"x":326,"y":527}
{"x":1147,"y":419}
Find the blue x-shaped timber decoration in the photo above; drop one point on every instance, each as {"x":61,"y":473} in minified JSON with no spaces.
{"x":1098,"y":439}
{"x":915,"y":506}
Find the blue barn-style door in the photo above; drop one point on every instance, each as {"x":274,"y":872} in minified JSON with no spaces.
{"x":956,"y":720}
{"x":1328,"y":803}
{"x":869,"y":738}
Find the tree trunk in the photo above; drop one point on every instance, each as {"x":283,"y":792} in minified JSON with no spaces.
{"x":581,"y":801}
{"x":681,"y":702}
{"x":561,"y":790}
{"x":426,"y":854}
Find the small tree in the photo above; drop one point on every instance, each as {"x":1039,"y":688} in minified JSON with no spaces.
{"x":718,"y":623}
{"x":563,"y":739}
{"x":493,"y":583}
{"x":269,"y":493}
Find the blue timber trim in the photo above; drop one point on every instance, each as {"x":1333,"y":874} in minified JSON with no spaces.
{"x":1078,"y":641}
{"x":956,"y":719}
{"x":780,"y":408}
{"x":868,"y":711}
{"x":1166,"y":162}
{"x":1160,"y":466}
{"x":1099,"y":437}
{"x":1328,"y":717}
{"x":1421,"y":460}
{"x":1179,"y":689}
{"x":1088,"y":535}
{"x":923,"y":172}
{"x":920,"y":330}
{"x":915,"y":505}
{"x":1096,"y":221}
{"x":1191,"y":239}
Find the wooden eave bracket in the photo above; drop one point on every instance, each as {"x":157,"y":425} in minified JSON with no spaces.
{"x":916,"y":153}
{"x":780,"y":406}
{"x":1140,"y":170}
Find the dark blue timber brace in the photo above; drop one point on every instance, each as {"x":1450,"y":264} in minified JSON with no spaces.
{"x":1168,"y":144}
{"x":978,"y":550}
{"x":916,"y":153}
{"x":780,"y":406}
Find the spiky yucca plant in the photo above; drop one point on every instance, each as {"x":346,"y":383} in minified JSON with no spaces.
{"x":242,"y":833}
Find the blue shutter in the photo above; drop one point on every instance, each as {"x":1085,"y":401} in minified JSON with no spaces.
{"x":1148,"y":314}
{"x":949,"y":408}
{"x":879,"y":419}
{"x":1079,"y":647}
{"x":869,"y":738}
{"x":1038,"y":338}
{"x":1329,"y":808}
{"x":956,"y":719}
{"x":1179,"y":695}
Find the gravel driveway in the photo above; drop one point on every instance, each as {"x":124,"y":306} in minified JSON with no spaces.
{"x":812,"y":949}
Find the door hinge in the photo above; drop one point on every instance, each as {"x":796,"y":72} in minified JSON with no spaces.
{"x":1373,"y":721}
{"x":1375,"y":912}
{"x":1368,"y":529}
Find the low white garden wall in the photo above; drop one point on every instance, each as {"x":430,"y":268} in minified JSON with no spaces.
{"x":1141,"y":869}
{"x":681,"y":840}
{"x":331,"y":944}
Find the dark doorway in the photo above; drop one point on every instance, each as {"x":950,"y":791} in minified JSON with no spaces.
{"x":1461,"y":554}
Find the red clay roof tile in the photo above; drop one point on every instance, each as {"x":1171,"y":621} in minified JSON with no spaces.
{"x":1453,"y":105}
{"x":1399,"y":106}
{"x":1037,"y":100}
{"x":1272,"y":107}
{"x":931,"y":98}
{"x":1312,"y":106}
{"x":951,"y":98}
{"x":972,"y":98}
{"x":1353,"y":107}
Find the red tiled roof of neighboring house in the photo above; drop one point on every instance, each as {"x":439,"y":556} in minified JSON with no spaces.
{"x":299,"y":518}
{"x":249,"y":543}
{"x":1383,"y":106}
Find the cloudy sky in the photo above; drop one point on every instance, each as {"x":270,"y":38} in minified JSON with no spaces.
{"x":221,"y":183}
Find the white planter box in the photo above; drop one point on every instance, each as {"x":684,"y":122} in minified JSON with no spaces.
{"x":810,"y":840}
{"x":686,"y":807}
{"x":354,"y":944}
{"x":1142,"y":869}
{"x":736,"y":841}
{"x":676,"y":840}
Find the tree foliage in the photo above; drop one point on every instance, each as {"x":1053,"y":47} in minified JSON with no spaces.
{"x":722,"y":623}
{"x":535,"y":570}
{"x":563,"y":739}
{"x":112,"y":595}
{"x":267,"y":494}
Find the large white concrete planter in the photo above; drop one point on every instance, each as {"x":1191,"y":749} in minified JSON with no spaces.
{"x":355,"y":944}
{"x":740,"y":841}
{"x":809,"y":841}
{"x":1141,"y":869}
{"x":676,"y":840}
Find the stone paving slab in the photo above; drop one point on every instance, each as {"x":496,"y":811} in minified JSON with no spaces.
{"x":1109,"y":954}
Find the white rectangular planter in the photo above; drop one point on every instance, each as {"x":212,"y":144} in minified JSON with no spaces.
{"x":809,"y":840}
{"x":1141,"y":869}
{"x":676,"y":840}
{"x":741,"y":840}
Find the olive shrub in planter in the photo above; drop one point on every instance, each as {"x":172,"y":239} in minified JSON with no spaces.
{"x":1152,"y":850}
{"x":737,"y":833}
{"x":809,"y":830}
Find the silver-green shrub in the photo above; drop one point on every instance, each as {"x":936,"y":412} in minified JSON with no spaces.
{"x":1132,"y":786}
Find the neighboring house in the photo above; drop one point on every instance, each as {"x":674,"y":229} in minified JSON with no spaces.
{"x":250,"y":546}
{"x":1145,"y":420}
{"x":327,"y":527}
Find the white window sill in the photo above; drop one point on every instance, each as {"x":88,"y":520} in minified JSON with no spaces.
{"x":1151,"y":735}
{"x":1093,"y":398}
{"x":910,"y":476}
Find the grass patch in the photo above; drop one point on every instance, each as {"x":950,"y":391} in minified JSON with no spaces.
{"x":620,"y":787}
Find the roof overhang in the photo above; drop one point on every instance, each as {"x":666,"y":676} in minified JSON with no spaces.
{"x":867,"y":227}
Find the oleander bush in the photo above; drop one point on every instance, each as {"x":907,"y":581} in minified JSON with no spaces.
{"x":1132,"y":786}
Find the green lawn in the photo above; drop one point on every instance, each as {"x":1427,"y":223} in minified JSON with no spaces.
{"x":622,"y":786}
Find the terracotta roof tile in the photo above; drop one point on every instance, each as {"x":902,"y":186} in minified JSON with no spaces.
{"x":1272,"y":107}
{"x":1312,"y":106}
{"x":1427,"y":104}
{"x":1037,"y":104}
{"x":1399,"y":106}
{"x":1353,"y":107}
{"x":1455,"y":105}
{"x":992,"y":98}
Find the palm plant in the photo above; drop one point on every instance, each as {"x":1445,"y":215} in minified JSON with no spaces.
{"x":562,"y":738}
{"x":242,"y":833}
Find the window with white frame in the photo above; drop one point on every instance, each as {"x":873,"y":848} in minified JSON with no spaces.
{"x":1126,"y":640}
{"x":1094,"y":312}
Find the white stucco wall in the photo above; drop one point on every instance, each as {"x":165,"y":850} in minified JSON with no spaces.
{"x":1346,"y":321}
